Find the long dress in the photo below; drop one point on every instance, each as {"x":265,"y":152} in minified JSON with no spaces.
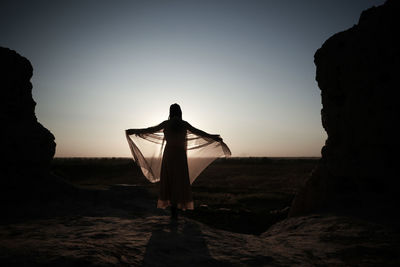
{"x":174,"y":153}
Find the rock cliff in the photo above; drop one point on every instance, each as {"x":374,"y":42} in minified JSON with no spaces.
{"x":357,"y":72}
{"x":27,"y":147}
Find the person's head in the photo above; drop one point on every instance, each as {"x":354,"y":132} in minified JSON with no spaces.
{"x":175,"y":111}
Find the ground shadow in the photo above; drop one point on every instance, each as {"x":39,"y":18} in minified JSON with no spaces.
{"x":178,"y":244}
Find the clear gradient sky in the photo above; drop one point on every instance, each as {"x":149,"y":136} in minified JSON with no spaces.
{"x":243,"y":69}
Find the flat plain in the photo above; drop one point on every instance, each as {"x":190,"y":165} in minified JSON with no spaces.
{"x":230,"y":194}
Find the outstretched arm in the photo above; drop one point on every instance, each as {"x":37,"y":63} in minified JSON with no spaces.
{"x":194,"y":130}
{"x":146,"y":130}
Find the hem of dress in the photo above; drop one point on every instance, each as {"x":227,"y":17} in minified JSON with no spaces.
{"x":163,"y":204}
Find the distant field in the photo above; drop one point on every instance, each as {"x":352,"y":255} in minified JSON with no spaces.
{"x":230,"y":194}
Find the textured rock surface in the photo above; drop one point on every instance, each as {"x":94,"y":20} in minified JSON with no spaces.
{"x":357,"y":73}
{"x":154,"y":241}
{"x":121,"y":226}
{"x":27,"y":147}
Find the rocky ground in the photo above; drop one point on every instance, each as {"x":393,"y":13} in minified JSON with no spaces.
{"x":101,"y":232}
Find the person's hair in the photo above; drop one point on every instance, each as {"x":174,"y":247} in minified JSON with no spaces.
{"x":175,"y":111}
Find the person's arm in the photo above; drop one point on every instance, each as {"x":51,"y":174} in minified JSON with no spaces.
{"x":194,"y":130}
{"x":146,"y":130}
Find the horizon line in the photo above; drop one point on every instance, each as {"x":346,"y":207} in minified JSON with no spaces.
{"x":232,"y":157}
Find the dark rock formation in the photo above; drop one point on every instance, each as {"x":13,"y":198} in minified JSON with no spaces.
{"x":27,"y":148}
{"x":357,"y":73}
{"x":153,"y":241}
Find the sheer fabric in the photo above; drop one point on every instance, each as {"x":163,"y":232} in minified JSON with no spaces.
{"x":149,"y":145}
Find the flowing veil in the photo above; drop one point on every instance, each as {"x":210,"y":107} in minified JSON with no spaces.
{"x":147,"y":151}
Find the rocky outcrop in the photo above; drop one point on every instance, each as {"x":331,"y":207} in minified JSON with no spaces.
{"x":155,"y":241}
{"x":27,"y":147}
{"x":357,"y":73}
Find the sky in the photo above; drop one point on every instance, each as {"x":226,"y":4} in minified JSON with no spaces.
{"x":242,"y":69}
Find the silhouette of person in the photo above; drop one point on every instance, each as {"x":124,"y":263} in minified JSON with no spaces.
{"x":174,"y":137}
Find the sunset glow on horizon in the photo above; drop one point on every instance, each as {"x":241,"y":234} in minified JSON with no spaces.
{"x":241,"y":69}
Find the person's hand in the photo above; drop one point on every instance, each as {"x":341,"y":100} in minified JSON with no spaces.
{"x":129,"y":131}
{"x":217,"y":138}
